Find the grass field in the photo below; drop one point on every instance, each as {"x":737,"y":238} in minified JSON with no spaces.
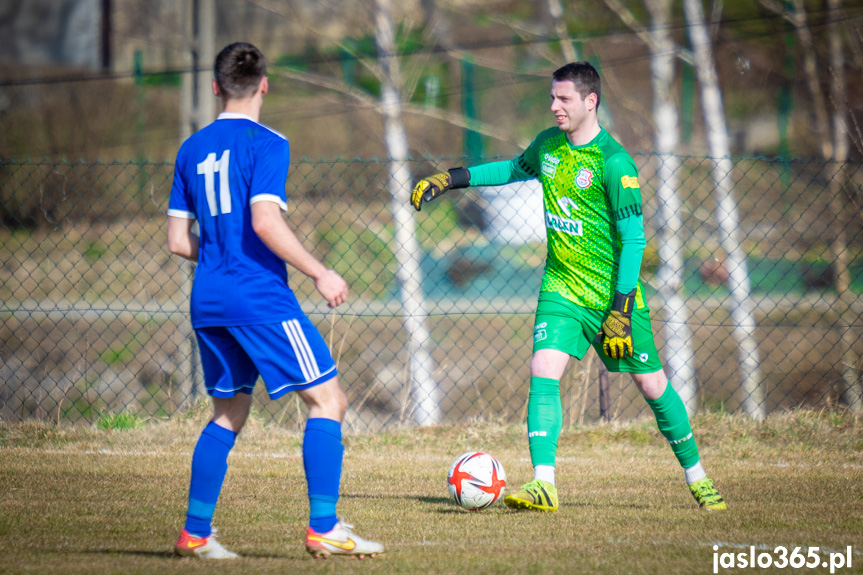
{"x":85,"y":500}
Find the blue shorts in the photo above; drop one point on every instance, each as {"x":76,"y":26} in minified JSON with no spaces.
{"x":290,"y":356}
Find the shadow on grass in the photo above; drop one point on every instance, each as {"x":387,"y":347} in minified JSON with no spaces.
{"x":437,"y":500}
{"x":167,"y":554}
{"x":449,"y":503}
{"x":171,"y":555}
{"x":451,"y":507}
{"x":420,"y":498}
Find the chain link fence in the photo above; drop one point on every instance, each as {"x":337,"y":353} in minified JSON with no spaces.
{"x":94,"y":314}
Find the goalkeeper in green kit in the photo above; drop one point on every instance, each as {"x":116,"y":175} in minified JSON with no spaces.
{"x":590,"y":293}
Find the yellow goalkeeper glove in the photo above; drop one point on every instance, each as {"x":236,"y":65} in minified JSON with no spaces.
{"x":431,"y":187}
{"x":616,"y":332}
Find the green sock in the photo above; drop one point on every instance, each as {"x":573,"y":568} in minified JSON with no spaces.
{"x":673,"y":422}
{"x":544,"y":420}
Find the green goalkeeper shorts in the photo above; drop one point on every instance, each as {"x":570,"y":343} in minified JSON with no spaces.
{"x":567,"y":327}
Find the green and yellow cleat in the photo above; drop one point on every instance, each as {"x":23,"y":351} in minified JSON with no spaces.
{"x":538,"y":495}
{"x":707,"y":496}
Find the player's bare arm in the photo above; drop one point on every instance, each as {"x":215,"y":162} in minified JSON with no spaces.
{"x":181,"y":240}
{"x":271,"y":227}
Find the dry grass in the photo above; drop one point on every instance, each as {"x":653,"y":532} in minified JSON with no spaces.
{"x":80,"y":500}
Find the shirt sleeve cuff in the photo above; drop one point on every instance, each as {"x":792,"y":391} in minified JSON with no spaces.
{"x":270,"y":198}
{"x":182,"y":214}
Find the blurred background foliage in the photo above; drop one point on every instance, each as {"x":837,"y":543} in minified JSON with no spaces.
{"x":62,"y":96}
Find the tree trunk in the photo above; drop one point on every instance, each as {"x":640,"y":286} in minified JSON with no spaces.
{"x":727,"y":216}
{"x":407,"y":250}
{"x":679,"y":355}
{"x":810,"y":66}
{"x":851,"y":392}
{"x":197,"y":109}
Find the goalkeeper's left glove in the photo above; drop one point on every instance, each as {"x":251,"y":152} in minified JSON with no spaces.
{"x":616,"y":332}
{"x":431,"y":187}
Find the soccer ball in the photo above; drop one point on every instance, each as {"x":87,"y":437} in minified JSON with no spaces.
{"x":476,"y":480}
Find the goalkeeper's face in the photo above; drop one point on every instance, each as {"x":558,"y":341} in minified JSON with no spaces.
{"x":571,"y":110}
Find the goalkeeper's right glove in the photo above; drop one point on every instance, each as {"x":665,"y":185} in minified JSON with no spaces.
{"x":616,"y":331}
{"x":431,"y":187}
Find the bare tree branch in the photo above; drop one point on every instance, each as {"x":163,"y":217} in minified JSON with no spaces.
{"x":629,"y":19}
{"x":277,"y":8}
{"x":329,"y":83}
{"x":528,"y":32}
{"x":639,"y":30}
{"x":715,"y":17}
{"x":556,"y":10}
{"x":367,"y":100}
{"x":459,"y":120}
{"x":777,"y":8}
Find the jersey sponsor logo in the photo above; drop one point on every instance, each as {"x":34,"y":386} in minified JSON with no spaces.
{"x":564,"y":225}
{"x":549,"y":165}
{"x":630,"y":182}
{"x":541,"y":325}
{"x":643,"y":357}
{"x":566,"y":204}
{"x":584,"y":178}
{"x":539,"y":335}
{"x":538,"y":434}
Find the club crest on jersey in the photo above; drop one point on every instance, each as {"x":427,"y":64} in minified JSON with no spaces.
{"x":584,"y":178}
{"x":549,"y":165}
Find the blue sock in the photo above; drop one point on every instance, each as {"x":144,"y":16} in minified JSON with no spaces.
{"x":209,"y":465}
{"x":322,"y":459}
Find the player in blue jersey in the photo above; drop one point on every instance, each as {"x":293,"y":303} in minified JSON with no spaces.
{"x":230,"y":178}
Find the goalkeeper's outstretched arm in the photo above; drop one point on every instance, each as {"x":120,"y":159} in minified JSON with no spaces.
{"x":490,"y":174}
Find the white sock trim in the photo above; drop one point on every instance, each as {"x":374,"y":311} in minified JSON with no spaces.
{"x":694,"y":473}
{"x":544,"y":472}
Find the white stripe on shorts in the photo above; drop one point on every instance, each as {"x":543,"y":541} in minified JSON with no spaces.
{"x":303,"y":351}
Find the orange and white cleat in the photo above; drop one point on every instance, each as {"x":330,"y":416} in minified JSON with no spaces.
{"x":189,"y":545}
{"x":340,"y":540}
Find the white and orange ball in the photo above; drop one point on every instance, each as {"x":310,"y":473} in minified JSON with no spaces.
{"x":476,"y":480}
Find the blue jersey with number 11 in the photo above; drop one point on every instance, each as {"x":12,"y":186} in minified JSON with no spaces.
{"x":220,"y":172}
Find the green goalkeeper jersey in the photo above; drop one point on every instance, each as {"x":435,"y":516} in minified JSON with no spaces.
{"x":587,"y":190}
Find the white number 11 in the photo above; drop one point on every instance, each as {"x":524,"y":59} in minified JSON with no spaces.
{"x":208,"y":168}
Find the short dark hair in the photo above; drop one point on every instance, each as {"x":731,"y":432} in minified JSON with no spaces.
{"x":238,"y":69}
{"x":583,"y":75}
